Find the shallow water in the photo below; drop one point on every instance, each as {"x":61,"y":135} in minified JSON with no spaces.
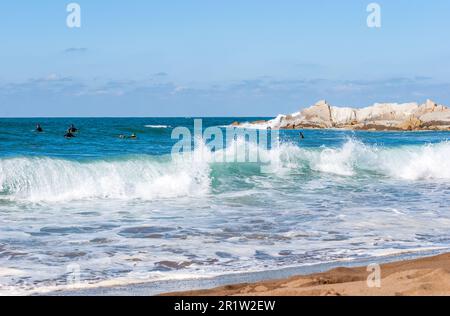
{"x":115,"y":208}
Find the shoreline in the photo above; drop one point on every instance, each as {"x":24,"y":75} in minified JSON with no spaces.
{"x":214,"y":285}
{"x":429,"y":276}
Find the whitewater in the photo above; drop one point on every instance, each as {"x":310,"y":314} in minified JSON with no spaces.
{"x":121,"y":211}
{"x":43,"y":179}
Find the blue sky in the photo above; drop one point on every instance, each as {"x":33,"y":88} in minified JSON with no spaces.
{"x":218,"y":58}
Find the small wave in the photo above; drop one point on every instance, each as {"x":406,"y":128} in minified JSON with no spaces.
{"x":157,"y":126}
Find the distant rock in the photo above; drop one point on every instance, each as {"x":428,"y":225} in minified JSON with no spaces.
{"x":380,"y":116}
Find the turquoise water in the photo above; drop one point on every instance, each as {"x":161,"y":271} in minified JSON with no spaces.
{"x":123,"y":210}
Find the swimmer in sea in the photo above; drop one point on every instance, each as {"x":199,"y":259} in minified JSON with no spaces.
{"x":302,"y":136}
{"x":39,"y":128}
{"x":133,"y":136}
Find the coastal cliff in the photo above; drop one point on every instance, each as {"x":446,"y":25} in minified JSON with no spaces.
{"x":380,"y":116}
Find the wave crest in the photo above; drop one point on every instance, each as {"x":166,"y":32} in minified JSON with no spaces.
{"x":145,"y":177}
{"x":52,"y":180}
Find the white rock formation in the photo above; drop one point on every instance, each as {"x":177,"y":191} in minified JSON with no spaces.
{"x":380,"y":116}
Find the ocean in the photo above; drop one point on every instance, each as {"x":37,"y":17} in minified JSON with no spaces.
{"x":102,"y":210}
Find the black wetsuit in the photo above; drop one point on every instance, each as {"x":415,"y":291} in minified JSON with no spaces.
{"x":72,"y":129}
{"x":39,"y":129}
{"x":69,"y":135}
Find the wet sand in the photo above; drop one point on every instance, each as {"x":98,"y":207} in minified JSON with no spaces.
{"x":424,"y":276}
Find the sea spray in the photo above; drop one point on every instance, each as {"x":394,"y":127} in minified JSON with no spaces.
{"x":231,"y":145}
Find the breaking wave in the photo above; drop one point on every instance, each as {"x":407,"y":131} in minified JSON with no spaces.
{"x":147,"y":177}
{"x":424,"y":162}
{"x":53,"y":180}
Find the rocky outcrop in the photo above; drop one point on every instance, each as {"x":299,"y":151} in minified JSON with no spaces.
{"x":380,"y":116}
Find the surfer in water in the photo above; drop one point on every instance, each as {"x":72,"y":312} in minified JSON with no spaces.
{"x":133,"y":136}
{"x":72,"y":129}
{"x":302,"y":136}
{"x":39,"y":128}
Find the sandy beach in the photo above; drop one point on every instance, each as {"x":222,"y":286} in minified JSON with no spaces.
{"x":424,"y":276}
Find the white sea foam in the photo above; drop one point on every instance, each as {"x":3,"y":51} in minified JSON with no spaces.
{"x":338,"y":161}
{"x":425,"y":162}
{"x":53,"y":180}
{"x":406,"y":162}
{"x":157,"y":126}
{"x":416,"y":163}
